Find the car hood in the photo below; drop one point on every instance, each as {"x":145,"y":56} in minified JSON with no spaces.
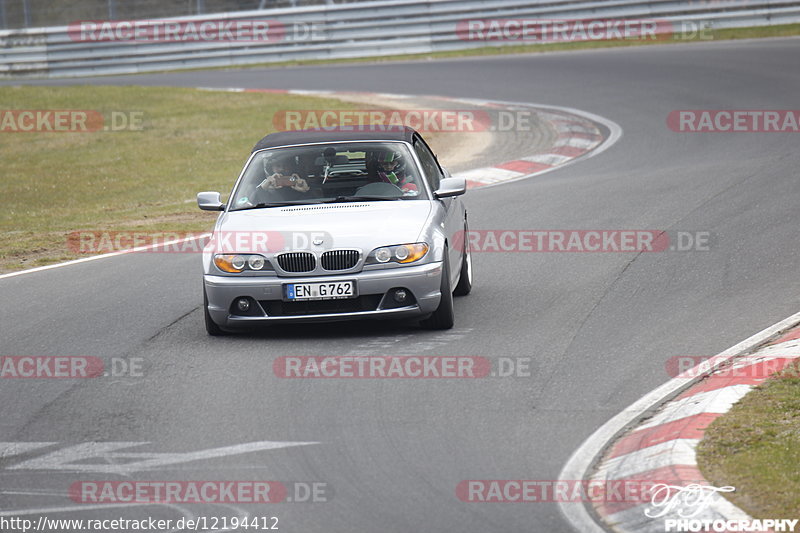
{"x":363,"y":225}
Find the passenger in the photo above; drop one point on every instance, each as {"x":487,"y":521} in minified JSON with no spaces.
{"x":280,"y":185}
{"x":283,"y":177}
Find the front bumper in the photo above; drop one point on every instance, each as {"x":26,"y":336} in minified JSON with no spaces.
{"x":373,"y":286}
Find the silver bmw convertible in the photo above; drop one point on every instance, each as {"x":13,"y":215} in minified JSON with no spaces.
{"x":337,"y":225}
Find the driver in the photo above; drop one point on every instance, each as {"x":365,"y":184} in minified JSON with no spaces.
{"x":392,"y":169}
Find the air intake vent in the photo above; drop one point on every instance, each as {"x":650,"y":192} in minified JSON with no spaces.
{"x":297,"y":262}
{"x":340,"y":259}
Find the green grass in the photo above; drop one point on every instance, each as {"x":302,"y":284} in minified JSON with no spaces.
{"x":191,"y":141}
{"x":757,"y":32}
{"x":755,"y":447}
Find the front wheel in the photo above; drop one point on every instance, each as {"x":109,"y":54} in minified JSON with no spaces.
{"x":443,"y":317}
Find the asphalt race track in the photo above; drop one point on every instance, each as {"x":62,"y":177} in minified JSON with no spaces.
{"x":598,"y":327}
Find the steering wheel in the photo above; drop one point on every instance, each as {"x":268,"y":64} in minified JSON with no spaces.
{"x":380,"y":188}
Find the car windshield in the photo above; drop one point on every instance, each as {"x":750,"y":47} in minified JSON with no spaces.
{"x":338,"y":172}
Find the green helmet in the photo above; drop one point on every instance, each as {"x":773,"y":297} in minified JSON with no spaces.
{"x":390,"y":164}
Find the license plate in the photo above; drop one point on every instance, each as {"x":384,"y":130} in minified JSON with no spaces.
{"x":333,"y":290}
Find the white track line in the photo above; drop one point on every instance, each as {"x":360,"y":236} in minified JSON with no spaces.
{"x":670,"y":453}
{"x":717,"y":401}
{"x":104,"y":256}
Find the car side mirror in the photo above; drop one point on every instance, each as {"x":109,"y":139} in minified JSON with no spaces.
{"x":210,"y":201}
{"x":451,"y":187}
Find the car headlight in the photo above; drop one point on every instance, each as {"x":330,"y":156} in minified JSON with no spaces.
{"x":401,"y":253}
{"x":235,"y":263}
{"x":383,"y":255}
{"x":255,"y":262}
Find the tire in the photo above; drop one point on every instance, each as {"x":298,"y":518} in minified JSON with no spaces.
{"x":211,"y":327}
{"x":465,"y":280}
{"x":443,"y":317}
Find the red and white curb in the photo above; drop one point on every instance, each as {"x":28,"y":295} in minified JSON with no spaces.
{"x":578,"y":134}
{"x":656,"y":441}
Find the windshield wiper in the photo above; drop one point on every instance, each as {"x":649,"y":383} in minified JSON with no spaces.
{"x":264,"y":205}
{"x":339,"y":199}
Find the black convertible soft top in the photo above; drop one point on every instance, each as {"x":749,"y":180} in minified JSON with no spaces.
{"x":355,"y":133}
